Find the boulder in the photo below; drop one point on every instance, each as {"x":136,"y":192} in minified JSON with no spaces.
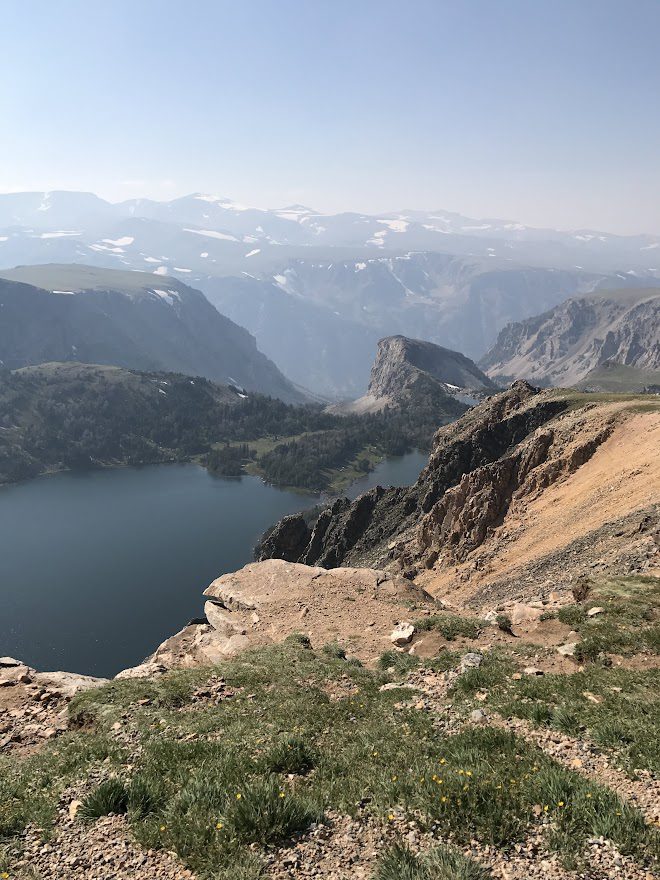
{"x":567,"y":650}
{"x":471,"y":660}
{"x":592,"y":612}
{"x":525,"y":613}
{"x":7,"y":662}
{"x":221,"y":620}
{"x":402,"y":634}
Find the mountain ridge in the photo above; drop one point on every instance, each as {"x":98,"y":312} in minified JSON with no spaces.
{"x":129,"y":319}
{"x":563,"y":345}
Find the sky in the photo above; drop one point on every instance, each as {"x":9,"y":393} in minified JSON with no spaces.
{"x":541,"y":111}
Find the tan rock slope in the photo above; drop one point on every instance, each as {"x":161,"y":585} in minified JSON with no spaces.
{"x":265,"y":602}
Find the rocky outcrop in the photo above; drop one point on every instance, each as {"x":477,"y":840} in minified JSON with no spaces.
{"x":14,"y":672}
{"x":460,"y":521}
{"x":399,"y":358}
{"x":408,"y":369}
{"x":562,"y":346}
{"x":366,"y":531}
{"x":265,"y":602}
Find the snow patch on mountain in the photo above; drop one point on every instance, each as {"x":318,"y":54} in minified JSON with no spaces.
{"x":119,"y":242}
{"x":395,"y":225}
{"x":211,"y":233}
{"x":168,"y":295}
{"x":59,"y":234}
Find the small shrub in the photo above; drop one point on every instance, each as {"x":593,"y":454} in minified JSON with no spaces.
{"x":334,"y":651}
{"x":291,"y":755}
{"x":110,"y":796}
{"x":504,"y":623}
{"x":262,"y":812}
{"x":400,"y":662}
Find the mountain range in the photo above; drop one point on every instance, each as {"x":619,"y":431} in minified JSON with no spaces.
{"x":318,"y":291}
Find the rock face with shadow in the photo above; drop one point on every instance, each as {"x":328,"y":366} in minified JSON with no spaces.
{"x":367,"y":531}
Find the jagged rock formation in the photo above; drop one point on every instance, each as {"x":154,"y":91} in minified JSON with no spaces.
{"x":408,"y":369}
{"x":265,"y":602}
{"x":359,"y":532}
{"x":562,"y":346}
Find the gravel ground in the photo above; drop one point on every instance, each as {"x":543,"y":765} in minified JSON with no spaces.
{"x":102,"y":850}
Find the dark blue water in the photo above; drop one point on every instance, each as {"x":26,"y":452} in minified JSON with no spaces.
{"x":97,"y":569}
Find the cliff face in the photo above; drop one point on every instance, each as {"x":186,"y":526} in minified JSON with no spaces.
{"x":530,"y":489}
{"x":366,"y":530}
{"x":561,"y":346}
{"x":399,"y":360}
{"x":406,"y":370}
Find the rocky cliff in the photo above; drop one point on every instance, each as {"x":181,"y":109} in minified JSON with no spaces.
{"x":360,"y":532}
{"x":562,"y":346}
{"x":512,"y":498}
{"x":408,"y":369}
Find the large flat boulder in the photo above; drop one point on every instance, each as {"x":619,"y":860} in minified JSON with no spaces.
{"x":265,"y":602}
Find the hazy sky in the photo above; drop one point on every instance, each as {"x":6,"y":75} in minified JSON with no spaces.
{"x":543,"y":111}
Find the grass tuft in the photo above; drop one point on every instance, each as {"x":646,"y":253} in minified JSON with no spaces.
{"x":440,"y":863}
{"x":261,"y":811}
{"x":290,"y":755}
{"x":110,"y":796}
{"x":334,"y":651}
{"x":450,"y":625}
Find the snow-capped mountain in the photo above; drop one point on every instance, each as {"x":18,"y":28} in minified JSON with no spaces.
{"x":319,"y":290}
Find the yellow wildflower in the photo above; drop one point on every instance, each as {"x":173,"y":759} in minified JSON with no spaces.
{"x":560,"y":803}
{"x":219,"y":825}
{"x":238,"y":795}
{"x":162,"y":828}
